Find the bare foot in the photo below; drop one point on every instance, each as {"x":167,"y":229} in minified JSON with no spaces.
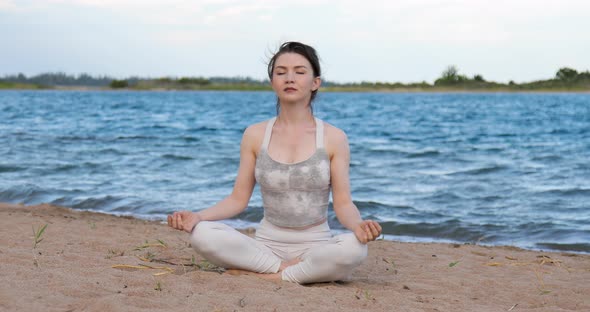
{"x":237,"y":272}
{"x":286,"y":264}
{"x":273,"y":277}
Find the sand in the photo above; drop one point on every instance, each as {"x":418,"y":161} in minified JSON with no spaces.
{"x":97,"y":262}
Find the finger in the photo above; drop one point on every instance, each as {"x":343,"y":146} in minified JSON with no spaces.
{"x":179,"y":222}
{"x":366,"y":227}
{"x":361,"y":236}
{"x":175,"y":221}
{"x":169,"y":219}
{"x":374,"y":229}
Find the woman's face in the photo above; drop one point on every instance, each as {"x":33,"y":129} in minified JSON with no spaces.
{"x":293,"y":78}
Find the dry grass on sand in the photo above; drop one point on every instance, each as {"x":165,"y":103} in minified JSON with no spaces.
{"x":96,"y":262}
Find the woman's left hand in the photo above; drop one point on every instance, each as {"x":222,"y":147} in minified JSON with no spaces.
{"x":367,"y":230}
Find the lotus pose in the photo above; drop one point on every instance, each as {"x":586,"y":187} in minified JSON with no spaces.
{"x":297,"y":160}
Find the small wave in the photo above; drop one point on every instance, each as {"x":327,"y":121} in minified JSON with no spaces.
{"x":451,"y":229}
{"x":190,"y":139}
{"x":71,"y":167}
{"x":444,"y":197}
{"x":371,"y":205}
{"x":135,"y":137}
{"x":28,"y":194}
{"x":8,"y":168}
{"x":546,"y":158}
{"x":566,"y":192}
{"x":576,"y":247}
{"x":252,"y":214}
{"x":488,"y":148}
{"x":436,"y":172}
{"x":97,"y":203}
{"x":64,"y":168}
{"x":560,"y":131}
{"x":426,"y":153}
{"x":490,"y":198}
{"x":480,"y":171}
{"x":111,"y":151}
{"x":76,"y":138}
{"x":388,"y":149}
{"x":177,"y":157}
{"x":384,"y":149}
{"x":203,"y":129}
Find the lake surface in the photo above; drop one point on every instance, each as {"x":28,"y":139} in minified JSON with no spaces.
{"x":497,"y":169}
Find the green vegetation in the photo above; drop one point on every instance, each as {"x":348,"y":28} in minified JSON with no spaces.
{"x":37,"y":235}
{"x":7,"y":85}
{"x":450,"y":80}
{"x":119,"y":84}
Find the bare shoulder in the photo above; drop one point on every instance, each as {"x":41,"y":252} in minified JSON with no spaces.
{"x":254,"y":135}
{"x":335,"y":138}
{"x":256,"y":129}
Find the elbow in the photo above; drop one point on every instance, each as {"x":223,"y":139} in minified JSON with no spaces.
{"x":239,"y":203}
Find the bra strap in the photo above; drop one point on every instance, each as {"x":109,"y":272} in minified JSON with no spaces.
{"x":319,"y":133}
{"x":268,"y":133}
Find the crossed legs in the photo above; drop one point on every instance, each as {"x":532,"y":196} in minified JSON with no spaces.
{"x":314,"y":259}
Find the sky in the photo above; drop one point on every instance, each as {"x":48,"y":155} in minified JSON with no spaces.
{"x":371,"y":40}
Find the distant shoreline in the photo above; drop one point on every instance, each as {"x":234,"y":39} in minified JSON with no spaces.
{"x":323,"y":89}
{"x":565,"y":80}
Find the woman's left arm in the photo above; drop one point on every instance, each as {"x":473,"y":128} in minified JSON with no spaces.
{"x":346,"y":211}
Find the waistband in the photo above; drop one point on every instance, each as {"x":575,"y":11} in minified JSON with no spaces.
{"x":270,"y":232}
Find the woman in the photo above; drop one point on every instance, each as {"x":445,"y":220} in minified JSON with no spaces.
{"x":296,"y":159}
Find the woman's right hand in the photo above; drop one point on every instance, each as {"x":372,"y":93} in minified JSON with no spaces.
{"x":184,"y":220}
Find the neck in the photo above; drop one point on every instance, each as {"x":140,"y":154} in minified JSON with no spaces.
{"x":295,"y":115}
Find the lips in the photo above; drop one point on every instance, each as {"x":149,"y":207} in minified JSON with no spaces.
{"x":290,"y":89}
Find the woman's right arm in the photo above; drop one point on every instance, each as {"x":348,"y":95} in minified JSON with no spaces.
{"x":237,"y":201}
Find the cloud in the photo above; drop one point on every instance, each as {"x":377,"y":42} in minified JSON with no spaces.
{"x":7,"y":5}
{"x":260,"y":11}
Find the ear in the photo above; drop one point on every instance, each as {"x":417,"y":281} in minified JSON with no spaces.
{"x":317,"y":82}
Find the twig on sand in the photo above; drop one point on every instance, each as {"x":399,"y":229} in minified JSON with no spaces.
{"x":143,"y":266}
{"x":160,"y":243}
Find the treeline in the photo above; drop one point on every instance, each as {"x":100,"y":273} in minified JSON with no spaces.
{"x":198,"y":83}
{"x":565,"y":79}
{"x":59,"y":79}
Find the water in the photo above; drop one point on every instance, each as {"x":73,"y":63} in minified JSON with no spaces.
{"x":497,"y":169}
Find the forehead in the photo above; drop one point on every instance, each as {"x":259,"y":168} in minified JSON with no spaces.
{"x":290,"y":59}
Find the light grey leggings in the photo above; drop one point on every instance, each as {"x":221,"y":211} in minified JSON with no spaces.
{"x":324,"y":258}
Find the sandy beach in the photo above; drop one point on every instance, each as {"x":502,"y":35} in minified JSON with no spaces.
{"x":86,"y":261}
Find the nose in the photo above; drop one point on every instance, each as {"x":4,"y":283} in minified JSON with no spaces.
{"x":289,"y":76}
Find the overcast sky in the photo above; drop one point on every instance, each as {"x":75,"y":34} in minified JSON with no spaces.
{"x":397,"y":40}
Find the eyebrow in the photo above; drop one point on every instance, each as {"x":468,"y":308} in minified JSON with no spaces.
{"x":285,"y":67}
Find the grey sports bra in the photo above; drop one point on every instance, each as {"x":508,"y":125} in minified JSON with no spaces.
{"x":297,"y":194}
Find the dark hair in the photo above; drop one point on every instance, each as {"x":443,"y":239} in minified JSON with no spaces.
{"x":304,"y":50}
